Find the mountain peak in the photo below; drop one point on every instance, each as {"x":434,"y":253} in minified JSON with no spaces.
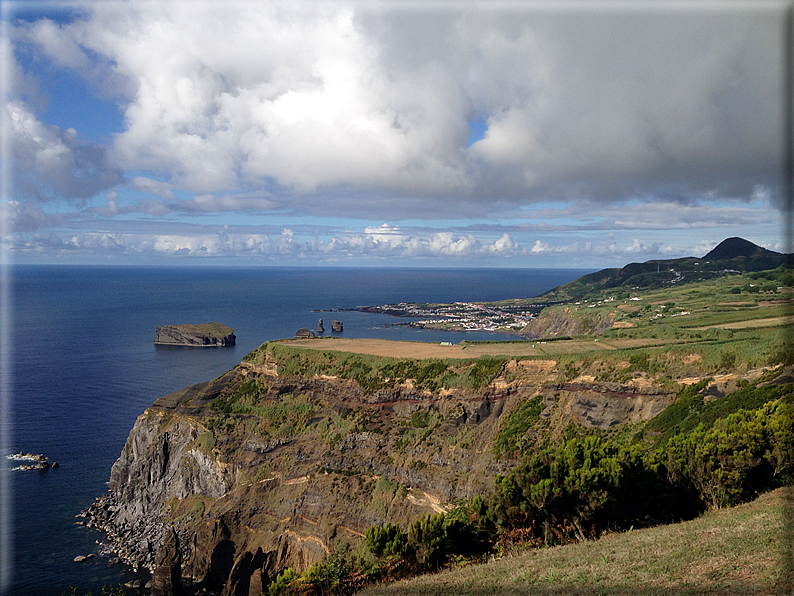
{"x":730,"y":248}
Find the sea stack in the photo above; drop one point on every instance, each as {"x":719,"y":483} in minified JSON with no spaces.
{"x":336,"y":326}
{"x":320,"y":328}
{"x":201,"y":336}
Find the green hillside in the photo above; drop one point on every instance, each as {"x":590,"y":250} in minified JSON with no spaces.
{"x":742,"y":550}
{"x":731,"y":256}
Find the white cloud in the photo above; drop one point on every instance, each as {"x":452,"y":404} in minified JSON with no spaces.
{"x":359,"y":112}
{"x":62,"y":49}
{"x":504,"y":245}
{"x":350,"y":95}
{"x":639,"y":247}
{"x":540,"y":247}
{"x":229,"y":242}
{"x":387,"y":234}
{"x":155,"y":187}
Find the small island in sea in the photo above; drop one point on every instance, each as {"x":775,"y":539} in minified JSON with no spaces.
{"x":201,"y":336}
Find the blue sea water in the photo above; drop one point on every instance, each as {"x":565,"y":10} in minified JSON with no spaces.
{"x":84,"y":367}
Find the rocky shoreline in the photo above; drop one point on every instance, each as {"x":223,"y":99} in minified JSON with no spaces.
{"x":130,"y":545}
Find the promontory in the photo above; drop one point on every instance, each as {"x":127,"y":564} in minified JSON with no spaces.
{"x":204,"y":335}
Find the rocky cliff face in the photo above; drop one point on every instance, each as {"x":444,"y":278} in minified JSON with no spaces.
{"x":205,"y":335}
{"x":259,"y":470}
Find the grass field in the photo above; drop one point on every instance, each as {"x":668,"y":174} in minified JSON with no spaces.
{"x":743,"y":550}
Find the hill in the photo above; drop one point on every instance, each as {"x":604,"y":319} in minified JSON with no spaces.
{"x":742,"y":550}
{"x":733,"y":255}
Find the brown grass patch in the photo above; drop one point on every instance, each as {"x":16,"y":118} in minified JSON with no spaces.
{"x":422,"y":350}
{"x":752,"y":323}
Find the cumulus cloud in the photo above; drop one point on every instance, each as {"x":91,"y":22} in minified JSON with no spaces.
{"x":540,"y":247}
{"x":677,"y":105}
{"x":639,"y":247}
{"x":50,"y":163}
{"x":389,"y":235}
{"x":22,"y":217}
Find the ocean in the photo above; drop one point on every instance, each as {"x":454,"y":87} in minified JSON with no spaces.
{"x":84,"y":368}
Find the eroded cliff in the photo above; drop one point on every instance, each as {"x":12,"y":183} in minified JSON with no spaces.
{"x":268,"y":467}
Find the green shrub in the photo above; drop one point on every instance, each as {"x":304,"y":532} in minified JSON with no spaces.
{"x":283,"y":582}
{"x":387,"y":541}
{"x":329,"y":577}
{"x":428,"y":540}
{"x":508,"y":440}
{"x":681,"y":415}
{"x":206,"y":441}
{"x":739,"y":456}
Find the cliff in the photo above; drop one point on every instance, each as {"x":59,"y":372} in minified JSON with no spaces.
{"x":275,"y":462}
{"x":204,"y":335}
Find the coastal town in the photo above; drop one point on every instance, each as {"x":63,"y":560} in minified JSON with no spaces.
{"x":460,"y":316}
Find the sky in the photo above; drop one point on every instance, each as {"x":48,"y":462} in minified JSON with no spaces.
{"x":409,"y":133}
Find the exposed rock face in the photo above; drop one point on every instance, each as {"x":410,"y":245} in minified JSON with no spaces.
{"x":320,"y":327}
{"x":606,"y":405}
{"x":336,"y":326}
{"x":205,"y":335}
{"x":167,"y":578}
{"x":304,"y":332}
{"x":250,"y":495}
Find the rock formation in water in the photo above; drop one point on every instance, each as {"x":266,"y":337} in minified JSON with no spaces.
{"x":320,"y":328}
{"x":304,"y":332}
{"x":336,"y":326}
{"x":204,"y":335}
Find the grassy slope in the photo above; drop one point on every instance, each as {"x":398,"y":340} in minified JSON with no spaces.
{"x":743,"y":550}
{"x":707,"y":303}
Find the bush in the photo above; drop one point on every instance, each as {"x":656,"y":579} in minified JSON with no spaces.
{"x":329,"y":577}
{"x":521,"y":419}
{"x":428,"y":541}
{"x":739,"y":456}
{"x":283,"y":582}
{"x":387,"y":541}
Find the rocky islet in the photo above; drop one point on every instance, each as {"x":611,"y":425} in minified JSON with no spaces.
{"x":203,"y":335}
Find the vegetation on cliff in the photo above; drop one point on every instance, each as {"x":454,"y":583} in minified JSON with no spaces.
{"x":588,"y":485}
